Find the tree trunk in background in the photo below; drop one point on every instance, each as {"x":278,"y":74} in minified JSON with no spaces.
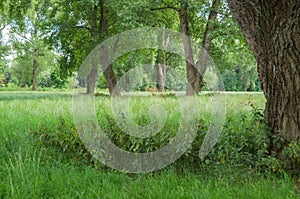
{"x":160,"y":64}
{"x":195,"y":73}
{"x":92,"y":78}
{"x":161,"y":70}
{"x":205,"y":51}
{"x":109,"y":74}
{"x":35,"y":70}
{"x":189,"y":58}
{"x":107,"y":70}
{"x":271,"y":29}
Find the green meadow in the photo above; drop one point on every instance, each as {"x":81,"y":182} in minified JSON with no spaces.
{"x":43,"y":157}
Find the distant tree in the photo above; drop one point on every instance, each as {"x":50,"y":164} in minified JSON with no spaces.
{"x":21,"y":69}
{"x":195,"y":71}
{"x":81,"y":26}
{"x":29,"y":31}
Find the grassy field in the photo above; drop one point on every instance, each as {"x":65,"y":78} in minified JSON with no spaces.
{"x":28,"y":170}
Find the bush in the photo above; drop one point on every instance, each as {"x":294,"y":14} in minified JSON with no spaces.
{"x":244,"y":141}
{"x":291,"y":158}
{"x":63,"y":138}
{"x":51,"y":79}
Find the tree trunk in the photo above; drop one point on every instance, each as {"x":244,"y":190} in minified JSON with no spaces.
{"x":205,"y":51}
{"x":161,"y":62}
{"x":271,"y":29}
{"x":189,"y":58}
{"x":107,"y":70}
{"x":35,"y":70}
{"x":195,"y":73}
{"x":161,"y":70}
{"x":109,"y":75}
{"x":92,"y":78}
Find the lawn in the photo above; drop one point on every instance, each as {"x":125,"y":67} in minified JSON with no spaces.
{"x":32,"y":170}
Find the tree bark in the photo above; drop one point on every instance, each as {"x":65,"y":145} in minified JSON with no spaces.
{"x":189,"y":58}
{"x":107,"y":70}
{"x":161,"y":70}
{"x":109,"y":74}
{"x":195,"y":73}
{"x":271,"y":29}
{"x":205,"y":51}
{"x":161,"y":67}
{"x":92,"y":78}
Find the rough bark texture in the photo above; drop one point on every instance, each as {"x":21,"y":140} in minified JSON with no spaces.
{"x":272,"y":30}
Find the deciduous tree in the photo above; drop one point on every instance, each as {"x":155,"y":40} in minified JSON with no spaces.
{"x":272,"y":30}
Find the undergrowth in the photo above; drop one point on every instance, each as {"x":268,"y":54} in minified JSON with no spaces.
{"x":243,"y":141}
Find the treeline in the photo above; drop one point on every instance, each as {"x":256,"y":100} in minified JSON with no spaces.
{"x":44,"y":43}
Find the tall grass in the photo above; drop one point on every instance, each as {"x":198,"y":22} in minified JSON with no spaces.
{"x":37,"y":171}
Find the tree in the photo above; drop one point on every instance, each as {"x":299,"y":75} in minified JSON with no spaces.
{"x":3,"y":63}
{"x":29,"y":31}
{"x":195,"y":71}
{"x":21,"y":69}
{"x":271,"y":29}
{"x":89,"y":23}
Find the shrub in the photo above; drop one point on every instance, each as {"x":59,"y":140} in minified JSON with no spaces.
{"x":244,"y":141}
{"x":63,"y":138}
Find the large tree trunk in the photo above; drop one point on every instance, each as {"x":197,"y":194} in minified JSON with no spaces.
{"x":271,"y":29}
{"x":35,"y":70}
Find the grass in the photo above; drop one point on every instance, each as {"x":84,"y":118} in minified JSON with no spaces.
{"x":30,"y":171}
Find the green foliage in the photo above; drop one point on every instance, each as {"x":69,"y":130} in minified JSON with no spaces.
{"x":5,"y":78}
{"x":51,"y":79}
{"x":72,"y":29}
{"x":21,"y":71}
{"x":63,"y":138}
{"x":32,"y":167}
{"x":233,"y":80}
{"x":29,"y":30}
{"x":291,"y":158}
{"x":44,"y":79}
{"x":244,"y":139}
